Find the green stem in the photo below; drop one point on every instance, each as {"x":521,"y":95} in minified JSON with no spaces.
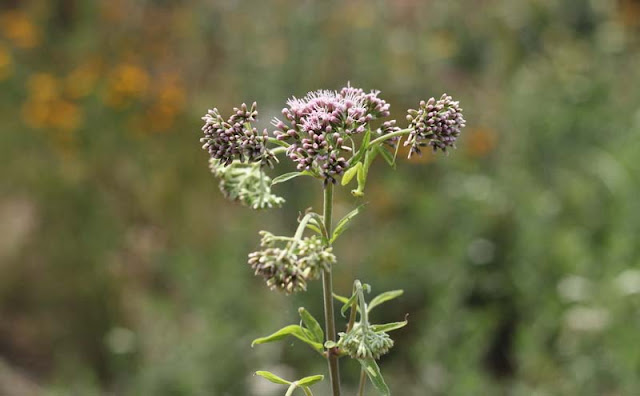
{"x":363,"y":382}
{"x":278,"y":150}
{"x":392,"y":134}
{"x":307,"y":391}
{"x":291,"y":389}
{"x":327,"y":288}
{"x":278,"y":142}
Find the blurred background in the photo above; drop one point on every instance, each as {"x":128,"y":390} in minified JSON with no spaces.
{"x":123,"y":269}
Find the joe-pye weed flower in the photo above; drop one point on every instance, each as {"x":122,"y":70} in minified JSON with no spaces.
{"x":330,"y":136}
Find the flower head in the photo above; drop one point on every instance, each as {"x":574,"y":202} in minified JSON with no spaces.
{"x":235,"y":138}
{"x":245,"y":183}
{"x":362,"y":342}
{"x":289,"y":266}
{"x":436,"y":124}
{"x":320,"y":124}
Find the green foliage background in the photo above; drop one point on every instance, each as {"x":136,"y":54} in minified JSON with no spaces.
{"x":123,"y":270}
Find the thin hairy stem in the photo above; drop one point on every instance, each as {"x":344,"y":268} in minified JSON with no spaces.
{"x":363,"y":382}
{"x":277,"y":142}
{"x":389,"y":136}
{"x":327,"y":288}
{"x":278,"y":150}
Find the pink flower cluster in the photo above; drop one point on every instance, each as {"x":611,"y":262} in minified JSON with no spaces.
{"x":318,"y":124}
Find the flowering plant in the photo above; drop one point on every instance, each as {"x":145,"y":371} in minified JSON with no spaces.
{"x":329,"y":135}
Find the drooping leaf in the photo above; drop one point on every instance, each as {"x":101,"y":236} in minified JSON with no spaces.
{"x":344,"y":222}
{"x":312,"y":324}
{"x":342,"y":299}
{"x":287,"y":176}
{"x":348,"y":304}
{"x":310,"y":380}
{"x":384,"y":297}
{"x":350,"y":173}
{"x":314,"y":229}
{"x":273,"y":378}
{"x":373,"y":372}
{"x":317,"y":221}
{"x":293,"y":330}
{"x":389,"y":326}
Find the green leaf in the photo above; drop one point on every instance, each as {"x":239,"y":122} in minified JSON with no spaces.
{"x":330,"y":344}
{"x":287,"y":176}
{"x":384,"y":297}
{"x":308,"y":381}
{"x":350,"y":173}
{"x":273,"y":378}
{"x":318,"y":222}
{"x":391,"y":160}
{"x":389,"y":326}
{"x":344,"y":222}
{"x":312,"y":324}
{"x":293,"y":330}
{"x":373,"y":372}
{"x":340,"y":298}
{"x":314,"y":229}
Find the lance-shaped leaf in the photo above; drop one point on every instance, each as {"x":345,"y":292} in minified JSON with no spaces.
{"x":344,"y":222}
{"x":389,"y":326}
{"x":310,"y":380}
{"x":384,"y":297}
{"x":340,"y":298}
{"x":288,"y":176}
{"x":373,"y":372}
{"x":293,"y":330}
{"x":273,"y":378}
{"x":312,"y":325}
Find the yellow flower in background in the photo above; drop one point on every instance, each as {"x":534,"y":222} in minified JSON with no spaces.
{"x":19,"y":29}
{"x":46,"y":108}
{"x":82,"y":80}
{"x":6,"y":63}
{"x":125,"y":83}
{"x":43,"y":86}
{"x":65,"y":116}
{"x":35,"y":113}
{"x":480,"y":142}
{"x":170,"y":100}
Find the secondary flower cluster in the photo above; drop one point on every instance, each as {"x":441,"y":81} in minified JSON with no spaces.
{"x":289,"y":268}
{"x":322,"y":122}
{"x":362,"y":342}
{"x":245,"y":183}
{"x":235,"y":138}
{"x":436,"y":124}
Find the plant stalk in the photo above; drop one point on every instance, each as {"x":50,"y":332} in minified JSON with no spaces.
{"x":327,"y":288}
{"x":363,"y":382}
{"x":389,"y":136}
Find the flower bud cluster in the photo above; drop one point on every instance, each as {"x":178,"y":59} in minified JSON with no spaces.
{"x":386,"y":128}
{"x":362,"y":342}
{"x":235,"y":138}
{"x":320,"y":124}
{"x":436,"y":124}
{"x":245,"y":183}
{"x":290,"y":267}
